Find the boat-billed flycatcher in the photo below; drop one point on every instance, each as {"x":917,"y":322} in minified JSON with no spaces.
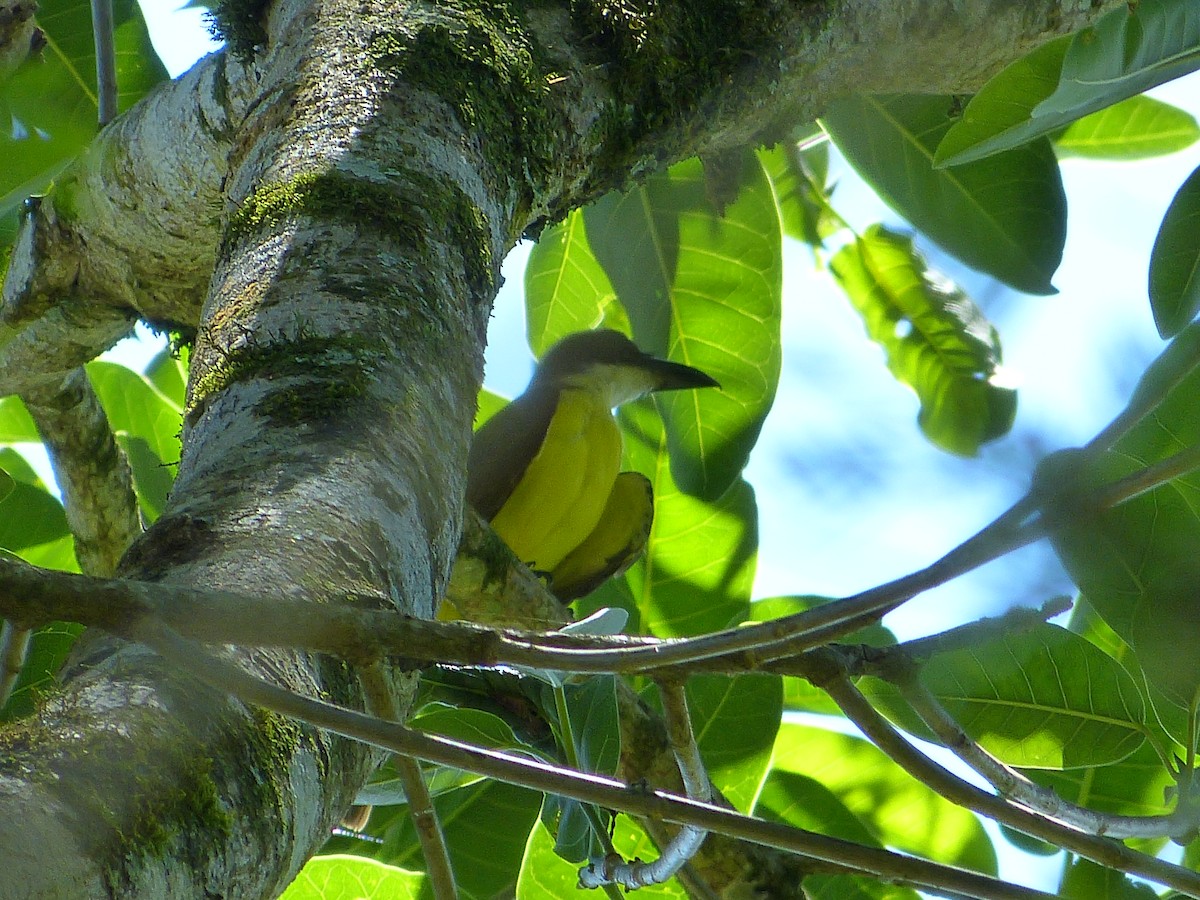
{"x":545,"y":470}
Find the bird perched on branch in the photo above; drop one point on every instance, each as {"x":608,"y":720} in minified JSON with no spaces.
{"x":545,"y":470}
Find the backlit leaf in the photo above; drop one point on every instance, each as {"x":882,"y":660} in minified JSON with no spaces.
{"x":899,"y":810}
{"x":705,"y":290}
{"x":937,"y":341}
{"x":1137,"y":128}
{"x":343,"y":877}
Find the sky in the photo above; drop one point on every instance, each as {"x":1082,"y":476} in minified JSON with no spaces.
{"x":850,"y":494}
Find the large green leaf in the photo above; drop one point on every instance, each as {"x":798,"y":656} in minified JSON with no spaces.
{"x":486,"y":858}
{"x":596,"y":735}
{"x":1127,"y":52}
{"x":804,"y":802}
{"x":343,"y":877}
{"x":48,"y":649}
{"x":566,"y":289}
{"x":1000,"y":116}
{"x":147,"y":425}
{"x":1044,"y":698}
{"x":937,"y":341}
{"x":735,"y":721}
{"x":1138,"y":785}
{"x":1137,"y":128}
{"x":900,"y":811}
{"x":29,"y":514}
{"x":705,"y":289}
{"x":1086,"y":880}
{"x":698,"y":567}
{"x":1137,"y":562}
{"x":168,"y":372}
{"x":16,"y":425}
{"x":54,"y":97}
{"x":1005,"y":216}
{"x":33,"y":525}
{"x":1175,"y":261}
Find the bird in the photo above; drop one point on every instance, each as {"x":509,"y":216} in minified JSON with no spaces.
{"x":545,"y":469}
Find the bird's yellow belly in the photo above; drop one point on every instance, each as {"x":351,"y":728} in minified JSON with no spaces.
{"x":562,"y":494}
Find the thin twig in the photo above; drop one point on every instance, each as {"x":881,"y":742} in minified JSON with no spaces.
{"x":381,"y":703}
{"x":1017,"y":787}
{"x":106,"y":61}
{"x":14,"y":644}
{"x":91,"y":469}
{"x":607,"y":792}
{"x":686,"y":843}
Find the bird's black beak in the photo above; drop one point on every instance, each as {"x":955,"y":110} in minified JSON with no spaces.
{"x":673,"y":376}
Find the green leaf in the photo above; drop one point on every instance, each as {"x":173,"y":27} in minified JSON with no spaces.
{"x":735,"y":721}
{"x":486,"y":406}
{"x":1136,"y":786}
{"x":1044,"y":699}
{"x":798,"y":178}
{"x":486,"y":859}
{"x":146,"y":424}
{"x":1000,"y":116}
{"x":343,"y":877}
{"x":135,"y":406}
{"x":1085,"y":880}
{"x":596,"y":732}
{"x":1136,"y":563}
{"x":698,"y":568}
{"x":472,"y":726}
{"x":803,"y":802}
{"x":16,"y":425}
{"x":705,"y":290}
{"x":1128,"y":51}
{"x":48,"y":649}
{"x":566,"y":289}
{"x":595,"y":723}
{"x":1137,"y":128}
{"x":168,"y":374}
{"x":54,"y":97}
{"x":1005,"y":216}
{"x":937,"y":341}
{"x":1175,"y":261}
{"x":883,"y":796}
{"x":29,"y":514}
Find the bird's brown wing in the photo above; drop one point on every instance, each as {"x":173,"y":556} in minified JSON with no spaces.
{"x":503,"y":448}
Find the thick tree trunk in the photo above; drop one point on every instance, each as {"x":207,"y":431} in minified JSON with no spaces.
{"x":374,"y":164}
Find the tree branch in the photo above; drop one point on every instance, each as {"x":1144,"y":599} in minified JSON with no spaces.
{"x":586,"y":788}
{"x":1104,"y":851}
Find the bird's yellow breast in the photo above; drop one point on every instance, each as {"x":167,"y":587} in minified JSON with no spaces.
{"x":562,"y":494}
